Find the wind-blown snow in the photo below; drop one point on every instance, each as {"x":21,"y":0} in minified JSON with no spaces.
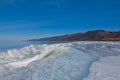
{"x":65,"y":61}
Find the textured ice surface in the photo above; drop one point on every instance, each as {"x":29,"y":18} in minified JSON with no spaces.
{"x":107,"y":68}
{"x":67,"y":61}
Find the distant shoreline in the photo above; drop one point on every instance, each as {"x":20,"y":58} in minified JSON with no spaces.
{"x":95,"y":35}
{"x":77,"y":41}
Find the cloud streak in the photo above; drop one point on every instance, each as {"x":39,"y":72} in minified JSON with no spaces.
{"x":57,"y":3}
{"x":25,"y":24}
{"x":11,"y":2}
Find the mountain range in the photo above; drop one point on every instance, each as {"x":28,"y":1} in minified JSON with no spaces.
{"x":94,"y":35}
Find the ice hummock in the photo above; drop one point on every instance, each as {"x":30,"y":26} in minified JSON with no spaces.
{"x":65,"y":61}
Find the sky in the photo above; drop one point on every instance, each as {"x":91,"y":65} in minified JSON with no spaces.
{"x":29,"y":19}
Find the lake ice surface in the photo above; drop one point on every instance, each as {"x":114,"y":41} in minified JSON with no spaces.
{"x":62,"y":61}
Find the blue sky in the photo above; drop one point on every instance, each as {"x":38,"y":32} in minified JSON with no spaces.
{"x":27,"y":19}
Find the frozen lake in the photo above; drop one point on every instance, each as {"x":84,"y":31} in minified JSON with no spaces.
{"x":61,"y":61}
